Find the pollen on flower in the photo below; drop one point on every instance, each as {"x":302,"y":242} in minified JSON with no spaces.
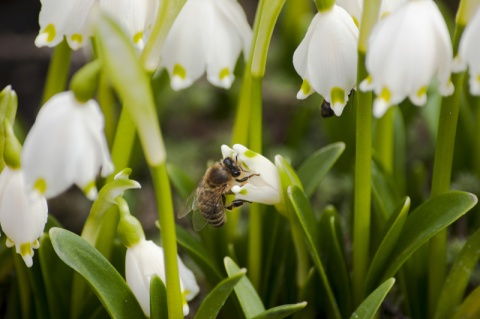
{"x":40,"y":185}
{"x":179,"y":71}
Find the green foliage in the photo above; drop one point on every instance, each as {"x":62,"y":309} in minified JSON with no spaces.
{"x":370,"y":305}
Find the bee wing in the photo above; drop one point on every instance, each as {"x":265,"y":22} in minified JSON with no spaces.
{"x":199,"y":222}
{"x":190,"y":205}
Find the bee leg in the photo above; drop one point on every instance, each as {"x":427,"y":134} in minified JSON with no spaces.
{"x":241,"y":180}
{"x":236,"y":203}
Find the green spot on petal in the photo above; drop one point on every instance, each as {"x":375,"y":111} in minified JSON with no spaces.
{"x":137,"y":37}
{"x":40,"y":185}
{"x":225,"y":72}
{"x":243,"y":192}
{"x":25,"y":249}
{"x":422,"y":91}
{"x":337,"y":95}
{"x":386,"y":95}
{"x":478,"y":78}
{"x":179,"y":71}
{"x":249,"y":153}
{"x":51,"y":31}
{"x":369,"y":79}
{"x":306,"y":88}
{"x":77,"y":37}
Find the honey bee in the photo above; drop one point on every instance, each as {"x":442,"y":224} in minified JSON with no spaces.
{"x":208,"y":202}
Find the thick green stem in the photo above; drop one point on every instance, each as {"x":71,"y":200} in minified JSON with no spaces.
{"x":106,"y":100}
{"x":383,"y":139}
{"x":57,"y":71}
{"x":166,"y":219}
{"x":123,"y":142}
{"x":442,"y":171}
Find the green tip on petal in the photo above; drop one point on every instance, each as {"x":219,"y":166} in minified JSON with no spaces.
{"x":243,"y":192}
{"x":40,"y":185}
{"x":250,"y":154}
{"x":306,"y":88}
{"x":26,"y":249}
{"x":337,"y":95}
{"x":386,"y":95}
{"x":51,"y":32}
{"x":90,"y":190}
{"x":225,"y":72}
{"x":138,"y":37}
{"x":422,"y":91}
{"x":76,"y":38}
{"x":179,"y":71}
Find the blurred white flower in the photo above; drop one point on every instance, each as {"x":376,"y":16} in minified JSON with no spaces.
{"x":326,"y":59}
{"x":405,"y":51}
{"x":263,"y":188}
{"x":207,"y":35}
{"x":355,"y":8}
{"x":74,"y":19}
{"x":22,"y":215}
{"x":66,"y":146}
{"x":145,"y":259}
{"x":469,"y":53}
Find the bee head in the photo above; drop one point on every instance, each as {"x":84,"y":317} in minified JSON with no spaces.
{"x":232,"y":167}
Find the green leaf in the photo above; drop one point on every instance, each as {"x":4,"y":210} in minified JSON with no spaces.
{"x":58,"y":279}
{"x":215,"y":300}
{"x":198,"y":252}
{"x":394,"y":228}
{"x":426,"y":221}
{"x":108,"y":284}
{"x":384,"y":190}
{"x":130,"y":81}
{"x":458,"y":277}
{"x":314,"y":169}
{"x":333,"y":257}
{"x":158,"y":298}
{"x":181,"y":181}
{"x":281,"y":311}
{"x":307,"y":219}
{"x":370,"y":305}
{"x":247,"y":295}
{"x":470,"y":308}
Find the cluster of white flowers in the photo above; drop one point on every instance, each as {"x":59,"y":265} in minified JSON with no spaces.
{"x":409,"y":46}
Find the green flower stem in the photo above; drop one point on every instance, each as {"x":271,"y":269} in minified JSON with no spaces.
{"x":123,"y":142}
{"x":166,"y":15}
{"x":383,"y":139}
{"x":363,"y":158}
{"x":442,"y":171}
{"x":166,"y":220}
{"x":57,"y":71}
{"x":324,"y":5}
{"x":476,"y":154}
{"x":106,"y":100}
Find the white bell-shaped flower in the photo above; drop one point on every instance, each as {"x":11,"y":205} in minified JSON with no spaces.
{"x":23,"y":215}
{"x":207,"y":35}
{"x":405,"y":51}
{"x":66,"y":146}
{"x":264,"y":184}
{"x":469,"y":53}
{"x":326,"y":59}
{"x":145,"y":259}
{"x":74,"y":19}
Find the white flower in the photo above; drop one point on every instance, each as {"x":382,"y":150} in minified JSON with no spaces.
{"x":74,"y":19}
{"x":405,"y":51}
{"x":469,"y":53}
{"x":22,"y":215}
{"x":326,"y":59}
{"x":145,"y":259}
{"x":264,"y":188}
{"x":355,"y":8}
{"x":207,"y":35}
{"x":66,"y":146}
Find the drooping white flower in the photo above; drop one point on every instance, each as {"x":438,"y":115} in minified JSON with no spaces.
{"x":207,"y":36}
{"x":405,"y":51}
{"x":326,"y":59}
{"x":74,"y":19}
{"x":22,"y":215}
{"x":469,"y":53}
{"x":66,"y":146}
{"x":263,"y":188}
{"x":145,"y":259}
{"x":355,"y":8}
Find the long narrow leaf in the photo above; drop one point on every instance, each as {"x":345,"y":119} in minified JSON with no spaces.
{"x":215,"y":300}
{"x":158,"y":299}
{"x":370,"y":305}
{"x":470,"y":308}
{"x":281,"y":311}
{"x":108,"y":284}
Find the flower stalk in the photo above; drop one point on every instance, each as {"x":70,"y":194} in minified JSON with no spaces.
{"x":363,"y":157}
{"x":57,"y":75}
